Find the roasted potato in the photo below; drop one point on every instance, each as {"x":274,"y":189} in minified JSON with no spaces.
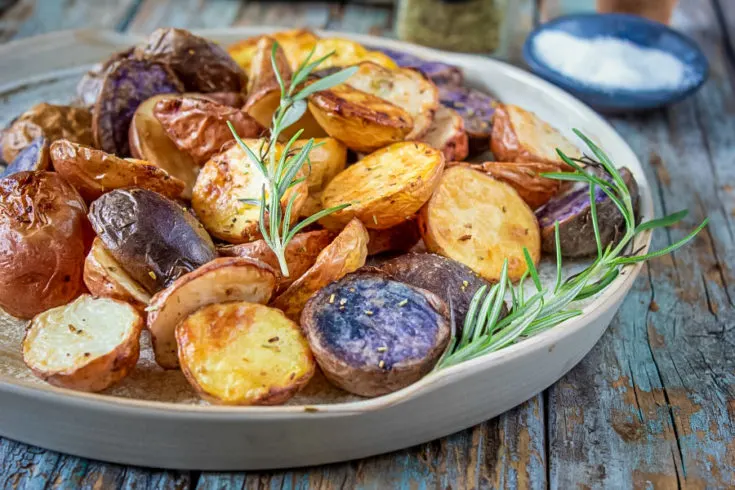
{"x":477,"y":110}
{"x":293,"y":42}
{"x":440,"y":73}
{"x":345,"y":254}
{"x":153,"y":238}
{"x":400,"y":238}
{"x":149,"y":141}
{"x":50,"y":121}
{"x":88,"y":345}
{"x":521,"y":136}
{"x":344,"y":53}
{"x":244,"y":354}
{"x":31,"y":158}
{"x":230,"y":99}
{"x":127,"y":84}
{"x":479,"y":221}
{"x":386,"y":187}
{"x":372,"y":336}
{"x":453,"y":282}
{"x":94,"y":172}
{"x":89,"y":86}
{"x":44,"y":236}
{"x":405,"y":88}
{"x":202,"y":65}
{"x":362,"y":121}
{"x":327,"y":159}
{"x":447,"y":134}
{"x":105,"y":277}
{"x":199,"y":127}
{"x":223,"y":182}
{"x":301,"y":253}
{"x":573,"y":212}
{"x":524,"y":177}
{"x":221,"y":280}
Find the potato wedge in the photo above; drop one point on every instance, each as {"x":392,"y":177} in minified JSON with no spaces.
{"x":386,"y":187}
{"x":521,"y":136}
{"x":88,"y":344}
{"x":346,"y":53}
{"x":222,"y":183}
{"x":345,"y":254}
{"x":362,"y":121}
{"x":403,"y":87}
{"x":400,"y":238}
{"x":293,"y":42}
{"x":105,"y":277}
{"x":301,"y":253}
{"x":149,"y":142}
{"x":223,"y":279}
{"x":327,"y":160}
{"x":94,"y":172}
{"x":447,"y":134}
{"x":244,"y":354}
{"x":479,"y":221}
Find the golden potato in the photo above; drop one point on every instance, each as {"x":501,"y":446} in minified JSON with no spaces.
{"x":479,"y":221}
{"x":362,"y":121}
{"x":293,"y":42}
{"x":104,"y":277}
{"x":223,"y":279}
{"x":447,"y":134}
{"x":44,"y":236}
{"x":386,"y":187}
{"x":405,"y":88}
{"x":244,"y":354}
{"x":222,"y":183}
{"x":87,"y":345}
{"x":521,"y":136}
{"x":328,"y":157}
{"x":149,"y":142}
{"x":301,"y":253}
{"x":94,"y":172}
{"x":345,"y":53}
{"x":345,"y":254}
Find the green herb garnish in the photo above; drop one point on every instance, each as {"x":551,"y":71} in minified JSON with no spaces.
{"x":280,"y":173}
{"x":484,"y":332}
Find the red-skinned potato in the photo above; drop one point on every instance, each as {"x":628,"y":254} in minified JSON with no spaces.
{"x":43,"y":240}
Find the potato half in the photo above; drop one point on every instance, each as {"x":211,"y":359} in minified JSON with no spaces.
{"x":328,"y":157}
{"x":293,"y":42}
{"x":105,"y":277}
{"x":399,"y":238}
{"x":526,"y":179}
{"x":479,"y":221}
{"x":386,"y":187}
{"x":362,"y":121}
{"x":447,"y":134}
{"x":223,"y":182}
{"x":94,"y":172}
{"x":345,"y":254}
{"x":223,"y":279}
{"x":345,"y":52}
{"x":87,"y":345}
{"x":244,"y":354}
{"x":405,"y":88}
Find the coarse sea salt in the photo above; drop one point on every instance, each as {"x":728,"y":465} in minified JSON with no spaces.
{"x":609,"y":63}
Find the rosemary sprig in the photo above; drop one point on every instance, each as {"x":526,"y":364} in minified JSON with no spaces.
{"x":281,"y":172}
{"x":483,"y":332}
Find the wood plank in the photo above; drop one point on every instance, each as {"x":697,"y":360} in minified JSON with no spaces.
{"x":189,"y":14}
{"x":288,"y":14}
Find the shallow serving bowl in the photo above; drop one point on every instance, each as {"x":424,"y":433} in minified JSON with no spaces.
{"x":154,"y":419}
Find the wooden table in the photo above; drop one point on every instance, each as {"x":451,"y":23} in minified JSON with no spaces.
{"x":653,"y":404}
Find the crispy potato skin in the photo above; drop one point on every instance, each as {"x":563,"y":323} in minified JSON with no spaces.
{"x":345,"y":254}
{"x":301,"y":253}
{"x":447,"y":134}
{"x":372,"y":336}
{"x":521,"y":136}
{"x":149,"y":141}
{"x":221,"y":280}
{"x":94,"y":374}
{"x":105,"y":278}
{"x":44,"y":235}
{"x":362,"y":121}
{"x":32,"y":158}
{"x":244,"y":354}
{"x":199,"y":127}
{"x":48,"y":120}
{"x":399,"y":238}
{"x":386,"y":187}
{"x":479,"y":221}
{"x":94,"y":172}
{"x":223,"y":181}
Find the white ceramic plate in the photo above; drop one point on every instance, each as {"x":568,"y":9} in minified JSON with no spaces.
{"x":154,"y":419}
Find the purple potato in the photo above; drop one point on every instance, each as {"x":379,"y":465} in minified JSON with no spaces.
{"x":573,"y":212}
{"x":31,"y":158}
{"x":477,"y":110}
{"x":202,"y":65}
{"x":89,"y":86}
{"x":442,"y":74}
{"x":126,"y":85}
{"x":372,"y":335}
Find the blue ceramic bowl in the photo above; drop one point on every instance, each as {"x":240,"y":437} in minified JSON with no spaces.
{"x":640,"y":31}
